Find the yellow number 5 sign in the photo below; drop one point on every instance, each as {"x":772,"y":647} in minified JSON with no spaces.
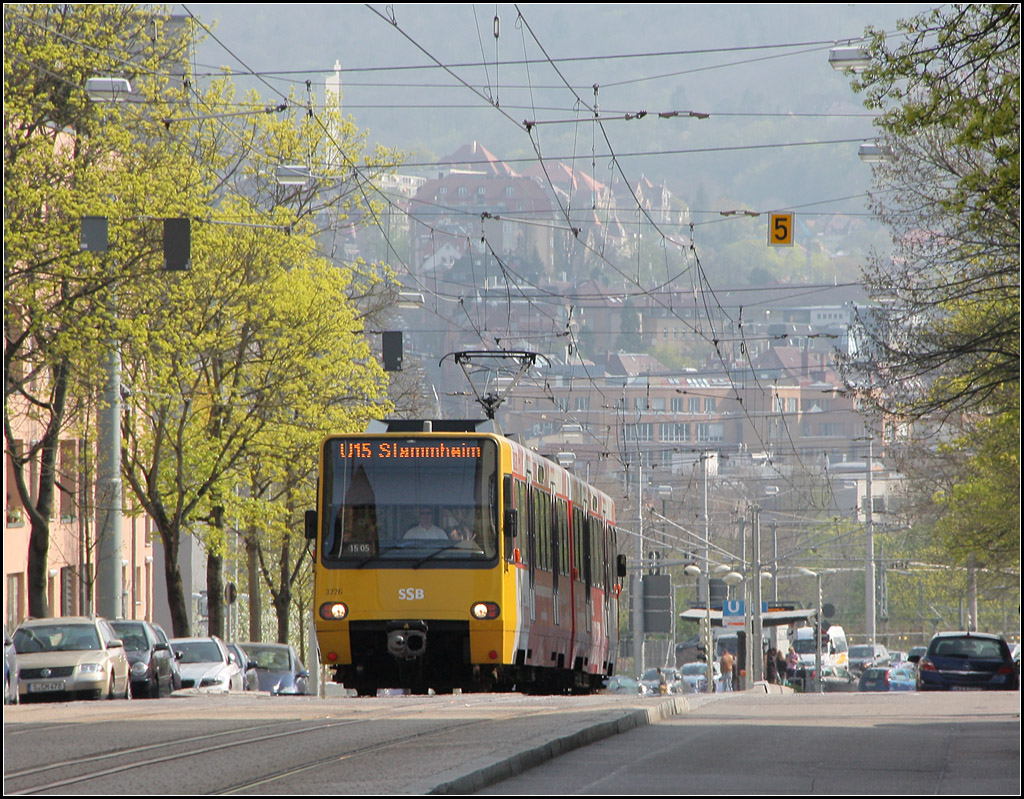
{"x":780,"y":230}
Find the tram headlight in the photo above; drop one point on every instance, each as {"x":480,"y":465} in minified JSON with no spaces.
{"x":333,"y":611}
{"x":485,"y":610}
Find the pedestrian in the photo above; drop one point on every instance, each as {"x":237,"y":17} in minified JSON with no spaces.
{"x":792,"y":661}
{"x":780,"y":662}
{"x":771,"y":666}
{"x":725,"y":664}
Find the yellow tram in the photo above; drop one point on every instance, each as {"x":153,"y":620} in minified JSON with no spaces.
{"x":449,"y":556}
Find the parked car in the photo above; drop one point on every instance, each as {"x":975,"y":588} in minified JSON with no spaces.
{"x":695,"y":677}
{"x":278,"y":668}
{"x":70,"y":657}
{"x":864,"y":656}
{"x":888,"y":678}
{"x":10,"y":670}
{"x":154,"y":668}
{"x":834,"y":679}
{"x":896,"y":657}
{"x":903,"y":678}
{"x":958,"y":661}
{"x":653,"y":678}
{"x":875,"y":678}
{"x":206,"y":664}
{"x":621,"y":684}
{"x":250,"y":679}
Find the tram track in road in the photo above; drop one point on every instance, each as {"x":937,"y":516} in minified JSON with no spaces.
{"x":340,"y":757}
{"x":117,"y":765}
{"x":172,"y":749}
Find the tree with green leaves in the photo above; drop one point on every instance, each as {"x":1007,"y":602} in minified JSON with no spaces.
{"x":942,"y":342}
{"x":64,"y":158}
{"x":946,"y":335}
{"x":255,"y":353}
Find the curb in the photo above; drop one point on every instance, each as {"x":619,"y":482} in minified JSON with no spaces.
{"x":473,"y":778}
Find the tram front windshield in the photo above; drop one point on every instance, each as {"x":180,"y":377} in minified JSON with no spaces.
{"x":409,"y":502}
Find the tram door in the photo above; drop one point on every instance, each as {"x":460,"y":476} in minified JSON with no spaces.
{"x":588,"y":575}
{"x":559,"y":512}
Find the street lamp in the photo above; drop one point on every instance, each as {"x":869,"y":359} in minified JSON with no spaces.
{"x":108,"y":89}
{"x":853,"y":57}
{"x":108,"y":416}
{"x":874,"y":151}
{"x":709,"y":650}
{"x":817,"y":643}
{"x":292,"y":175}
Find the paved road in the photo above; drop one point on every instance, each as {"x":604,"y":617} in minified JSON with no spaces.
{"x":777,"y":745}
{"x":255,"y":744}
{"x":731,"y":744}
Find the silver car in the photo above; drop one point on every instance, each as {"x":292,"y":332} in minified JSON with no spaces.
{"x":278,"y":668}
{"x":70,"y":657}
{"x":206,"y":664}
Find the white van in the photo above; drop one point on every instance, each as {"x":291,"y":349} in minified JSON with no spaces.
{"x":834,"y":648}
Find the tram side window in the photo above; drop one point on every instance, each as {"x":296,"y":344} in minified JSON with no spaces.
{"x":577,"y":542}
{"x":561,"y":538}
{"x":542,"y":528}
{"x":521,"y":506}
{"x":597,"y":552}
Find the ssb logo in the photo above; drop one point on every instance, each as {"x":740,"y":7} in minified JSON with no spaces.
{"x":410,"y":594}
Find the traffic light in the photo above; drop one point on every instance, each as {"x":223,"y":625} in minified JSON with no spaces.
{"x":177,"y":244}
{"x":391,"y":348}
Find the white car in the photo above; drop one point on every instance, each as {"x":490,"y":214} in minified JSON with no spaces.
{"x":206,"y":665}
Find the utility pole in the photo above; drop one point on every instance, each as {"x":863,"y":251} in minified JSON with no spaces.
{"x":638,"y":579}
{"x":869,"y":556}
{"x":755,"y":647}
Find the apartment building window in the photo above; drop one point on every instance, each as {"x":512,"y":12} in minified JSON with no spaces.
{"x":658,"y":404}
{"x":675,"y":431}
{"x":709,"y":405}
{"x":791,"y":405}
{"x":582,"y":403}
{"x":693,"y":405}
{"x":677,"y":405}
{"x":462,"y":191}
{"x":642,"y":431}
{"x":710,"y":431}
{"x":640,"y":403}
{"x":833,"y":429}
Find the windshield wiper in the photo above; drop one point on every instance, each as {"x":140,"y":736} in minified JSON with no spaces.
{"x":421,"y":561}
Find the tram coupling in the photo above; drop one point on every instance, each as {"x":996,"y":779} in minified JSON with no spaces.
{"x":407,"y":640}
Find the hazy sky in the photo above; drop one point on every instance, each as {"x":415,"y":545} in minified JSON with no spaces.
{"x":781,"y":130}
{"x":724,"y":59}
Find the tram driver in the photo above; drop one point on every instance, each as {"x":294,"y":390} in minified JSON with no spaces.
{"x":425,"y":528}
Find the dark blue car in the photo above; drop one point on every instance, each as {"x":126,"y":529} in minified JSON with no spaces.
{"x":964,"y":661}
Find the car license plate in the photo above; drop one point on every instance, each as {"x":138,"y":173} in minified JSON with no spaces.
{"x":961,"y":688}
{"x":40,"y":687}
